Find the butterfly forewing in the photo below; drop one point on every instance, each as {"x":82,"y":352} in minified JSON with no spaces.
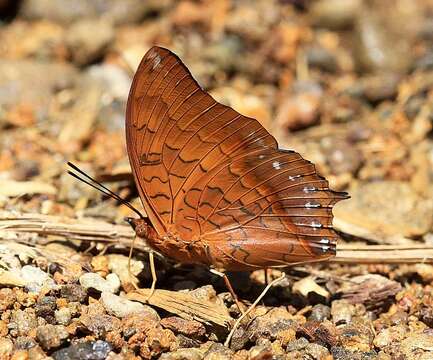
{"x":210,"y":175}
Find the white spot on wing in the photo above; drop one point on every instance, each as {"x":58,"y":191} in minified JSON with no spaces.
{"x":276,"y":165}
{"x":156,"y":61}
{"x":308,"y":189}
{"x":315,"y":224}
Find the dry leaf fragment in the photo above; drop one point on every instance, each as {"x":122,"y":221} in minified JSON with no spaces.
{"x":307,"y":285}
{"x":185,"y":305}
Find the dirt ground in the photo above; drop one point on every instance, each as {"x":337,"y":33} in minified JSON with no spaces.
{"x":346,"y":83}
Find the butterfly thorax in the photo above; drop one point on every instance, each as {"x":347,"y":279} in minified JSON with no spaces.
{"x":171,"y":244}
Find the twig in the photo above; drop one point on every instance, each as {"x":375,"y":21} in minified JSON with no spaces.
{"x":12,"y":225}
{"x":64,"y":228}
{"x":384,"y":254}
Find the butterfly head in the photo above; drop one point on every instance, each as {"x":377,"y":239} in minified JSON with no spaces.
{"x":140,"y":226}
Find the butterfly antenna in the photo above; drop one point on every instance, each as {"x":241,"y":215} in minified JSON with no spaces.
{"x":87,"y":179}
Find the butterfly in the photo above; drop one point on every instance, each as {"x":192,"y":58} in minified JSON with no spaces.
{"x":216,"y":188}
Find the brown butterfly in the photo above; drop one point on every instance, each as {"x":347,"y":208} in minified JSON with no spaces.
{"x":216,"y":188}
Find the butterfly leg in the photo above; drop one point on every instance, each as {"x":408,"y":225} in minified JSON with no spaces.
{"x":131,"y":276}
{"x":230,"y":288}
{"x":154,"y":277}
{"x":254,"y":304}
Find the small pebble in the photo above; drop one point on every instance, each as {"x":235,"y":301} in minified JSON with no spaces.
{"x":73,"y":293}
{"x":6,"y":347}
{"x":297,"y":344}
{"x":322,"y":58}
{"x":183,"y":354}
{"x":334,"y":14}
{"x":36,"y":279}
{"x":390,"y":335}
{"x":277,"y":323}
{"x":381,"y":87}
{"x":317,"y":351}
{"x":342,"y":312}
{"x":342,"y":156}
{"x":51,"y":336}
{"x":24,"y":343}
{"x":320,"y":312}
{"x":85,"y":48}
{"x":95,"y":281}
{"x":378,"y":48}
{"x":7,"y":299}
{"x":45,"y":308}
{"x":160,"y":340}
{"x":218,"y":351}
{"x":3,"y":328}
{"x":122,"y":307}
{"x":186,"y":342}
{"x":22,"y":322}
{"x":260,"y":352}
{"x":190,"y":328}
{"x":97,"y":350}
{"x":63,"y":316}
{"x":340,"y":353}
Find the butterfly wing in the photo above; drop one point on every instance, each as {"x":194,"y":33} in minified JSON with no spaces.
{"x":166,"y":108}
{"x":160,"y":91}
{"x":213,"y":175}
{"x":272,"y":209}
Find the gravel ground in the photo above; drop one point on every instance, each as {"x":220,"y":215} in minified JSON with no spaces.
{"x":346,"y":83}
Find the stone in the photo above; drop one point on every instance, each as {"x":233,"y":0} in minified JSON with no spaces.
{"x":45,"y":307}
{"x":36,"y":279}
{"x":65,"y":11}
{"x":378,"y":47}
{"x":118,"y":264}
{"x":418,"y":346}
{"x":122,"y":307}
{"x":190,"y":328}
{"x":17,"y":79}
{"x":95,"y":350}
{"x":84,"y":48}
{"x":95,"y":281}
{"x":372,"y":208}
{"x":320,"y":312}
{"x":63,"y":316}
{"x":387,"y":336}
{"x":6,"y":347}
{"x":334,"y":14}
{"x":51,"y":336}
{"x":277,"y":323}
{"x":23,"y":321}
{"x":73,"y":293}
{"x":217,"y":351}
{"x":342,"y":312}
{"x":380,"y":87}
{"x":321,"y":58}
{"x":316,"y":351}
{"x":183,"y":354}
{"x":25,"y":342}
